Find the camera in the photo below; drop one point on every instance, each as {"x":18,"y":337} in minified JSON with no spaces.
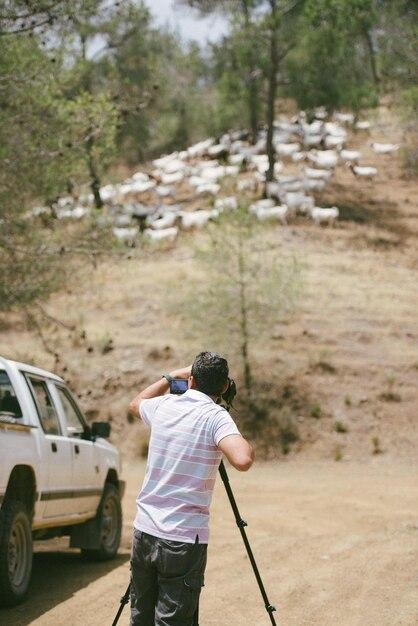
{"x":178,"y":386}
{"x":230,"y":393}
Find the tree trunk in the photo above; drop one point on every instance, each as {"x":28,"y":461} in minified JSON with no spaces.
{"x":372,"y":57}
{"x":94,"y":176}
{"x":244,"y":321}
{"x":252,"y":95}
{"x":272,"y":90}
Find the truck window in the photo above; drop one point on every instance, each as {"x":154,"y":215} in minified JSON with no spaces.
{"x":75,"y":424}
{"x":46,"y":409}
{"x":9,"y":404}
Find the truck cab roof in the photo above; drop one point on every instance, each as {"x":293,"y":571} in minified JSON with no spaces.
{"x":25,"y":367}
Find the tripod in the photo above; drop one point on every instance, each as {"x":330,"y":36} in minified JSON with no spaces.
{"x":241,"y":525}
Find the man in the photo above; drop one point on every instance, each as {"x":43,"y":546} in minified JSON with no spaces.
{"x":189,"y":434}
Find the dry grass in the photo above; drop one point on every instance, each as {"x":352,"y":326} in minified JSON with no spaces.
{"x":356,"y":325}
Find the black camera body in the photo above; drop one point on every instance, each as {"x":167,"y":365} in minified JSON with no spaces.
{"x":230,"y":393}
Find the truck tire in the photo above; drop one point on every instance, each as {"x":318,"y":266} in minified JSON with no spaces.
{"x":16,"y":552}
{"x":109,"y":518}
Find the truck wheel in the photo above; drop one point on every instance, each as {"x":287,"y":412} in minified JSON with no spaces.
{"x":109,"y":517}
{"x":15,"y":552}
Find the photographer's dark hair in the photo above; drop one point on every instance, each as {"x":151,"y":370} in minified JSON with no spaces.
{"x":210,"y":372}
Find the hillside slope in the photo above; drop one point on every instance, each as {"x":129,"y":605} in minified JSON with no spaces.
{"x":346,"y":363}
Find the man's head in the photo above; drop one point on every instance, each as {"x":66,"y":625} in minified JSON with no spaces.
{"x":210,"y":374}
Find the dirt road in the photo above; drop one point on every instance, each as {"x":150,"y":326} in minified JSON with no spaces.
{"x":337,"y":544}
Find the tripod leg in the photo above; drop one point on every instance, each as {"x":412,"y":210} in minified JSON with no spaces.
{"x":124,"y":600}
{"x":241,"y":525}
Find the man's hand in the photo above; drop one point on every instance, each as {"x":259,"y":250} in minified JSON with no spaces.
{"x":184,"y":372}
{"x":158,"y":388}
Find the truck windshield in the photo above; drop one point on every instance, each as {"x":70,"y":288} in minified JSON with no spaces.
{"x":9,"y":404}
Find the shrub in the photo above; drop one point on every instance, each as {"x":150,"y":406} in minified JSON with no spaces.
{"x":316,"y":411}
{"x":376,"y":445}
{"x":338,"y":453}
{"x":340,"y":427}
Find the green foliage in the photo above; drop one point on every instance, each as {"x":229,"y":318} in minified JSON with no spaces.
{"x":91,"y":120}
{"x":316,"y":411}
{"x":32,"y":138}
{"x":331,"y":65}
{"x":340,"y":427}
{"x":43,"y":138}
{"x":408,"y":101}
{"x":398,"y":43}
{"x":239,"y":67}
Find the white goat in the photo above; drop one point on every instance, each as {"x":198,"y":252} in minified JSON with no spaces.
{"x":229,"y":203}
{"x":326,"y":159}
{"x":363,"y":172}
{"x":126,"y":235}
{"x":311,"y":141}
{"x":332,"y":141}
{"x":196,"y":219}
{"x":166,"y":221}
{"x":208,"y":188}
{"x":196,"y":181}
{"x":287,"y":149}
{"x":76,"y":213}
{"x":218,"y":150}
{"x":345,"y":118}
{"x":298,"y":202}
{"x":166,"y":234}
{"x":317,"y":174}
{"x":385,"y":148}
{"x":362,"y":125}
{"x":311,"y":184}
{"x":174,"y":165}
{"x":164,"y":191}
{"x":122,"y":221}
{"x":172,"y":179}
{"x":350,"y":156}
{"x":324,"y":216}
{"x":200,"y":149}
{"x":261,"y":204}
{"x":298,"y":156}
{"x":279,"y":213}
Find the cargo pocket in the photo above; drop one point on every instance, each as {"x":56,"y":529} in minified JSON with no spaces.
{"x":178,"y":599}
{"x":193,"y":583}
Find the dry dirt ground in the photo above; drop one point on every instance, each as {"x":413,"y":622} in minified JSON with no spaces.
{"x":336,"y":543}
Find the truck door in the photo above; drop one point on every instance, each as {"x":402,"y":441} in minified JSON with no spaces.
{"x":55,"y":453}
{"x":86,"y":479}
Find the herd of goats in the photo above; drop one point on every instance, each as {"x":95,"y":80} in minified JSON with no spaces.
{"x":147,"y":204}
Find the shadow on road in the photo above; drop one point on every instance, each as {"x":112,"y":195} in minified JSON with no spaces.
{"x":56,"y":576}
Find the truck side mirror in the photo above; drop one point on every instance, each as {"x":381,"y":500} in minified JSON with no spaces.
{"x":100,"y":429}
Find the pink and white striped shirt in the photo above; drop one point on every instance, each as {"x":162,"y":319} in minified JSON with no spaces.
{"x":183,"y":460}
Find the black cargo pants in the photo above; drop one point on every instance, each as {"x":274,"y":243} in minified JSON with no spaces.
{"x":166,"y":580}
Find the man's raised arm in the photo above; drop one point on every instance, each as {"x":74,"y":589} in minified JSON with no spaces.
{"x":159,"y":388}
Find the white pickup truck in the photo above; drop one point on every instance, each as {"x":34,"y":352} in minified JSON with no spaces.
{"x":58,"y":475}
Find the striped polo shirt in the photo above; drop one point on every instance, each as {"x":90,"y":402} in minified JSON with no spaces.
{"x":183,"y":460}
